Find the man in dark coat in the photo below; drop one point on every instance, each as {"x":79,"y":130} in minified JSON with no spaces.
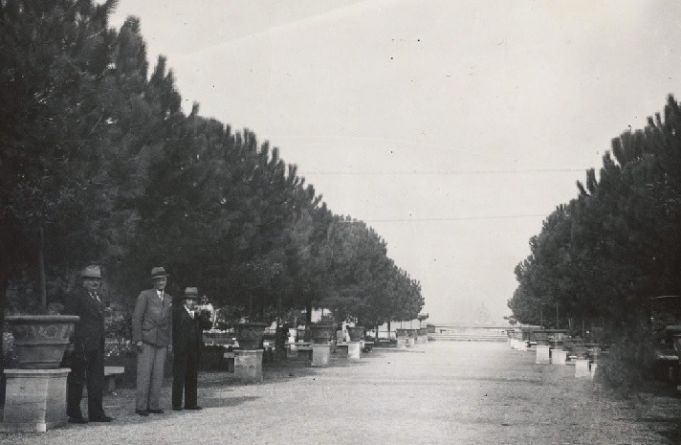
{"x":188,"y":326}
{"x":87,"y":357}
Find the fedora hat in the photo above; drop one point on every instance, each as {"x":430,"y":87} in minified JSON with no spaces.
{"x":158,"y":272}
{"x":191,"y":292}
{"x":91,"y":271}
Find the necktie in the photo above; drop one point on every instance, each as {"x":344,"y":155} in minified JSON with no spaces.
{"x":95,"y":296}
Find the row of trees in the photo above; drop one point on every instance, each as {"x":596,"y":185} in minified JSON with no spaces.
{"x":100,"y":164}
{"x":600,"y":258}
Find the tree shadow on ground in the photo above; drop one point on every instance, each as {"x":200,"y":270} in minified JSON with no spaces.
{"x":225,"y":402}
{"x":672,"y":433}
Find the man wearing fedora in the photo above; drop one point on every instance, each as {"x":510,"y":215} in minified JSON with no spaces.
{"x":188,"y":326}
{"x":152,"y":334}
{"x":87,"y":357}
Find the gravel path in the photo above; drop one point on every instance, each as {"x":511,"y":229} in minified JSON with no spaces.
{"x":440,"y":393}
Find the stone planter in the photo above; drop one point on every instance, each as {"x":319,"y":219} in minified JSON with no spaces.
{"x":40,"y":340}
{"x":356,"y":333}
{"x":321,"y":333}
{"x":250,"y":335}
{"x":402,"y":332}
{"x":540,"y":336}
{"x":674,"y":331}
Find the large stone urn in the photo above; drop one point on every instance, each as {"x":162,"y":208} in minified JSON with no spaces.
{"x":402,"y":332}
{"x":321,"y":332}
{"x":250,"y":335}
{"x":356,"y":333}
{"x":40,"y":340}
{"x":35,"y":391}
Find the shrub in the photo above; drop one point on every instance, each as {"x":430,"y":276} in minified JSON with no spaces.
{"x":629,"y":364}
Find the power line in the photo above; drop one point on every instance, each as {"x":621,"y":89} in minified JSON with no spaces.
{"x":459,"y":218}
{"x":446,"y":172}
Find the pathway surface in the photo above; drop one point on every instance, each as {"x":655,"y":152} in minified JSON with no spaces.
{"x":439,"y":393}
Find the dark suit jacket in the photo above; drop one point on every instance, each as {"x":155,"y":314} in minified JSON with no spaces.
{"x":188,"y":331}
{"x":89,"y":333}
{"x":152,"y":319}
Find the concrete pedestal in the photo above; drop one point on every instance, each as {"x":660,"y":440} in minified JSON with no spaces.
{"x":248,"y":365}
{"x":292,"y":351}
{"x":354,"y":350}
{"x":320,"y":355}
{"x":543,"y":355}
{"x":592,"y":370}
{"x":401,"y":342}
{"x":342,"y":350}
{"x":558,"y":357}
{"x":582,"y":368}
{"x":35,"y":400}
{"x":422,"y":339}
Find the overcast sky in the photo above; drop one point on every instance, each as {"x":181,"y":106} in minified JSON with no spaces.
{"x":451,"y":127}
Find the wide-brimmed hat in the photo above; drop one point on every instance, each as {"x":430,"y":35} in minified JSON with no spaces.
{"x":191,"y":292}
{"x":158,"y":272}
{"x":91,"y":271}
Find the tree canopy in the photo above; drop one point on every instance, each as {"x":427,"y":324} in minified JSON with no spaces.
{"x":97,"y":153}
{"x":599,"y":258}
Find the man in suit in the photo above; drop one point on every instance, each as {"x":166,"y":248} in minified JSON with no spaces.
{"x":188,"y":326}
{"x":87,"y":357}
{"x":152,"y":334}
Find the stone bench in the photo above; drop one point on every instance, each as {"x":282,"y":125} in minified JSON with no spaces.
{"x":111,"y":373}
{"x":342,"y":350}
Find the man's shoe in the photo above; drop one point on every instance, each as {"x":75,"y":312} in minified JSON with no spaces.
{"x":77,"y":420}
{"x":142,"y":412}
{"x":102,"y":418}
{"x":155,"y":411}
{"x":196,"y":408}
{"x":177,"y":408}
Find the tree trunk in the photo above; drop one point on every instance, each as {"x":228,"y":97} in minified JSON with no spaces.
{"x":4,"y":282}
{"x":43,"y":280}
{"x":308,"y":313}
{"x":280,"y":310}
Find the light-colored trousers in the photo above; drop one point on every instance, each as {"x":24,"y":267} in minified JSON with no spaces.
{"x":150,"y":363}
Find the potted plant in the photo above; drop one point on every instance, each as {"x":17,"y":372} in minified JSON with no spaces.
{"x":40,"y":340}
{"x":401,"y":332}
{"x":40,"y":335}
{"x":321,"y":332}
{"x":247,"y":329}
{"x":356,"y":333}
{"x":249,"y":334}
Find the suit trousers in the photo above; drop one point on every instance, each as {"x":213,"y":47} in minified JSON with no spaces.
{"x":87,"y":367}
{"x":185,"y":375}
{"x":150,"y":363}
